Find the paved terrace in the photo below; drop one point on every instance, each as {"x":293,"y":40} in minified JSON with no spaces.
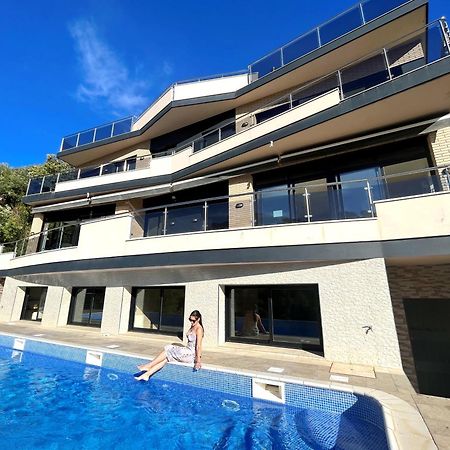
{"x":296,"y":363}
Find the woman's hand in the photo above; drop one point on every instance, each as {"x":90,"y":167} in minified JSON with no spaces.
{"x":197,"y":365}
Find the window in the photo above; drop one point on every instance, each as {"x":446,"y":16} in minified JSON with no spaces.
{"x":33,"y":305}
{"x":86,"y":307}
{"x":275,"y":315}
{"x":157,"y":309}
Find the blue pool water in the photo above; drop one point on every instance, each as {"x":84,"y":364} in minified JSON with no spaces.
{"x":48,"y":403}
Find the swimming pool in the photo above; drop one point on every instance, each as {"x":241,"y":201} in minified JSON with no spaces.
{"x":52,"y":403}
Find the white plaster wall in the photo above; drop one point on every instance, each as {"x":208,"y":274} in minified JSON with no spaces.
{"x":210,"y":87}
{"x":424,"y":215}
{"x":352,"y":295}
{"x":119,"y":177}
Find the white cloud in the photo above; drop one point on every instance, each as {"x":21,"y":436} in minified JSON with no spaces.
{"x":106,"y":81}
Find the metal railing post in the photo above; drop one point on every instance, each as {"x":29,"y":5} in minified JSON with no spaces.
{"x":362,"y":13}
{"x":78,"y":139}
{"x":444,"y":32}
{"x":61,"y":233}
{"x":308,"y":206}
{"x":318,"y":37}
{"x":42,"y":185}
{"x":165,"y":221}
{"x":28,"y":185}
{"x":369,"y":193}
{"x":341,"y":89}
{"x":386,"y":59}
{"x":112,"y":129}
{"x":205,"y":215}
{"x":253,"y":209}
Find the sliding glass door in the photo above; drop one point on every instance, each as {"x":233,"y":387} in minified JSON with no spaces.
{"x":87,"y":306}
{"x":33,"y":305}
{"x":157,"y":309}
{"x":275,"y":315}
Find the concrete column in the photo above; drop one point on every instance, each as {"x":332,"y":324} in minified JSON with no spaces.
{"x":53,"y":308}
{"x":241,"y":206}
{"x":116,"y":310}
{"x":36,"y":227}
{"x":132,"y":206}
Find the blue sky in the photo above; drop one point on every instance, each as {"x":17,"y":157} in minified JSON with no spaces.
{"x":69,"y":66}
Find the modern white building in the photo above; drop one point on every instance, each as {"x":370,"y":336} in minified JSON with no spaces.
{"x":311,"y":190}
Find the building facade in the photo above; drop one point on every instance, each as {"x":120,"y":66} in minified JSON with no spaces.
{"x":301,"y":203}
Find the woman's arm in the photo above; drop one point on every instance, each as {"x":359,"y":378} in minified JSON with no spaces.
{"x":259,"y":324}
{"x":198,"y":348}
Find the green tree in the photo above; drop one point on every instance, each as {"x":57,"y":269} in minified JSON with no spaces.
{"x":15,"y":216}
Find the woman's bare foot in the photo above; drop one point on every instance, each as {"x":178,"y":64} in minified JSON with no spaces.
{"x":144,"y":377}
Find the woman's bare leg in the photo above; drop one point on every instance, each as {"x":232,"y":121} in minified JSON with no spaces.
{"x":157,"y":360}
{"x":145,"y":376}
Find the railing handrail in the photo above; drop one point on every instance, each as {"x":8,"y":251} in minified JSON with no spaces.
{"x":301,"y":185}
{"x":444,"y":169}
{"x":132,"y":117}
{"x":317,"y":27}
{"x":305,"y":86}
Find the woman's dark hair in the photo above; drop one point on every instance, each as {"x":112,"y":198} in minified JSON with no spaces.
{"x":198,"y":316}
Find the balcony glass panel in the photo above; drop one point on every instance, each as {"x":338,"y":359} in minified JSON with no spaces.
{"x":69,"y":142}
{"x":87,"y":137}
{"x":68,"y":176}
{"x":70,"y":234}
{"x":436,"y":48}
{"x":315,"y":90}
{"x":300,"y":47}
{"x":267,"y":64}
{"x":103,"y":132}
{"x":342,"y":24}
{"x":217,"y":215}
{"x":273,"y":206}
{"x":228,"y":130}
{"x":123,"y":126}
{"x":412,"y":184}
{"x":206,"y":140}
{"x":376,"y":8}
{"x":49,"y":183}
{"x":407,"y":56}
{"x":323,"y":203}
{"x":90,"y":172}
{"x":301,"y":210}
{"x":355,"y":201}
{"x":185,"y":219}
{"x":112,"y":168}
{"x":154,"y":223}
{"x":364,"y":75}
{"x":131,"y":164}
{"x":273,"y":110}
{"x":35,"y":186}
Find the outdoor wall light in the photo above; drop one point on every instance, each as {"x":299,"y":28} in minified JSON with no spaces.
{"x":244,"y":124}
{"x":239,"y":205}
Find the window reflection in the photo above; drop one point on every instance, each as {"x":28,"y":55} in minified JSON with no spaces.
{"x":158,"y":309}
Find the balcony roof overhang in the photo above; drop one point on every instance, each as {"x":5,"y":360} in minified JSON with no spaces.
{"x":419,"y":96}
{"x":326,"y":59}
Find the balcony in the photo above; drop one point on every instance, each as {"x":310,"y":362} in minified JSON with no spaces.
{"x":407,"y":205}
{"x":98,"y":134}
{"x":350,"y":20}
{"x":64,"y":180}
{"x":337,"y":27}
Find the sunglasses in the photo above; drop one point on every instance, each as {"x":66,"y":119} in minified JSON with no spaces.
{"x":192,"y":320}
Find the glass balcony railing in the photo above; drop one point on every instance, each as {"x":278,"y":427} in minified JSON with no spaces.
{"x":340,"y":25}
{"x":413,"y":51}
{"x":52,"y":239}
{"x":48,"y":183}
{"x":300,"y":203}
{"x":98,"y":134}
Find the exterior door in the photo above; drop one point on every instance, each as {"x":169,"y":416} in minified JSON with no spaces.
{"x":33,"y":305}
{"x":285,"y":316}
{"x":429,"y":330}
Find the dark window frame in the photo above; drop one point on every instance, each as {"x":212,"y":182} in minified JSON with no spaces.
{"x":72,"y":307}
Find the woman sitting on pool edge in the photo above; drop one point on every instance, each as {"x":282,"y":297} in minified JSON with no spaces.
{"x":192,"y":353}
